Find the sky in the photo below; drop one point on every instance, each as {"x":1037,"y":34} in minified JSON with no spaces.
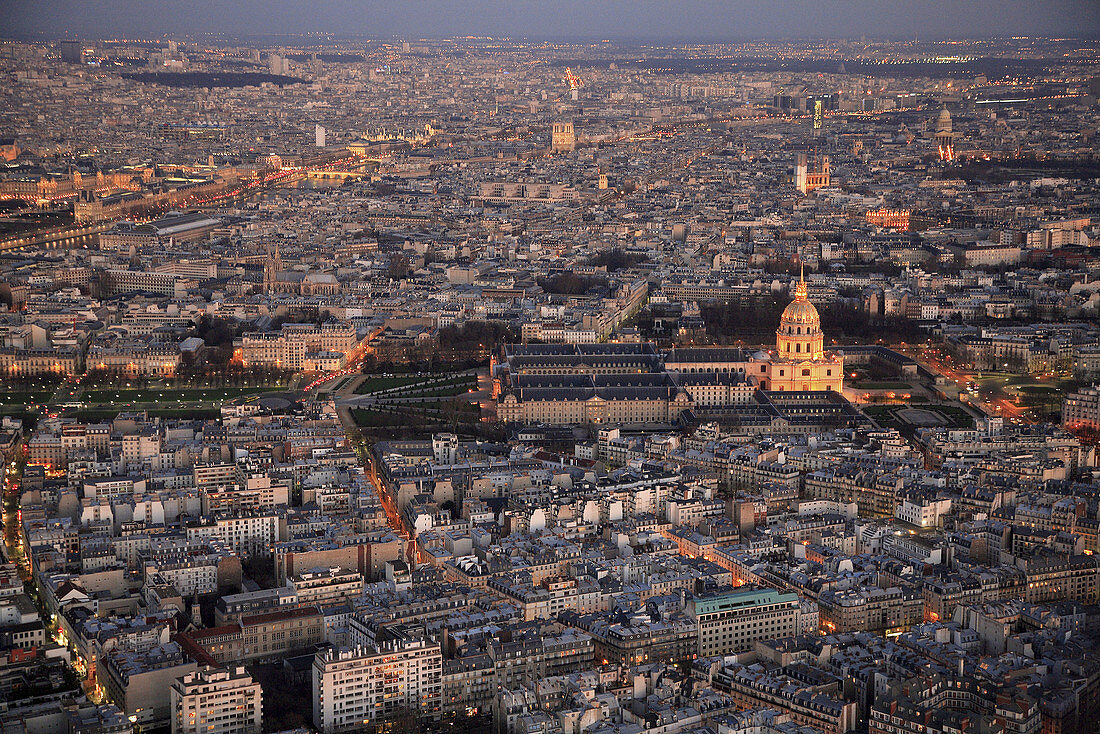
{"x":672,"y":20}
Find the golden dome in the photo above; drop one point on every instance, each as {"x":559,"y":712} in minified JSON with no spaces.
{"x":800,"y":310}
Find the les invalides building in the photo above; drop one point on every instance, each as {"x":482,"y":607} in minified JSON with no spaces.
{"x":800,"y":361}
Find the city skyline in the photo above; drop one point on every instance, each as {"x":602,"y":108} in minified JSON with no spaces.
{"x":476,"y":384}
{"x":619,"y":20}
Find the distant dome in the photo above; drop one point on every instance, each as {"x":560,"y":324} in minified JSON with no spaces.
{"x":943,"y":122}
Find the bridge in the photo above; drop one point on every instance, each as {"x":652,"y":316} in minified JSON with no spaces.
{"x":76,"y":235}
{"x":325,"y":174}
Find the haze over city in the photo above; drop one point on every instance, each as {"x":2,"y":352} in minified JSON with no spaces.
{"x":650,"y":20}
{"x":549,"y":367}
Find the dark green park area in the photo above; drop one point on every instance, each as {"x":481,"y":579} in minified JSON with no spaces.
{"x":416,"y":385}
{"x":375,"y":383}
{"x":215,"y":394}
{"x":888,"y":416}
{"x":106,"y":414}
{"x":24,"y":398}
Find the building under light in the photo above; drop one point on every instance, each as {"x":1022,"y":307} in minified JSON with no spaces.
{"x":563,"y":137}
{"x":811,"y":172}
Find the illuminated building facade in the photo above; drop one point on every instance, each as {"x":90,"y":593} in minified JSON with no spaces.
{"x":811,"y":172}
{"x":800,"y":361}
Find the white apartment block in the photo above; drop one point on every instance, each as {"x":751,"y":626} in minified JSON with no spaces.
{"x":354,"y":686}
{"x":216,"y":701}
{"x":247,"y":535}
{"x":1081,"y":409}
{"x":923,"y":513}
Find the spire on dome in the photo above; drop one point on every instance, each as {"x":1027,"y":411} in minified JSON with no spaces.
{"x":800,"y":292}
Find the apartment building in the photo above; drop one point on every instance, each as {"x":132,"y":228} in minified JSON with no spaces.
{"x":216,"y":701}
{"x":870,"y":610}
{"x":322,"y":586}
{"x":355,"y":686}
{"x":138,"y":681}
{"x":298,"y":347}
{"x":731,"y":621}
{"x":258,"y":637}
{"x":1081,"y":410}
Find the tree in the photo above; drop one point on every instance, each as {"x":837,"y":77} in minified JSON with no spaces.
{"x":474,"y":337}
{"x":570,"y":284}
{"x":398,"y":268}
{"x":104,"y":285}
{"x":214,"y":331}
{"x":617,"y":258}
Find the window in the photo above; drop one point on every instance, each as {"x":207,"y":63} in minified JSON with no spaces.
{"x":805,"y":373}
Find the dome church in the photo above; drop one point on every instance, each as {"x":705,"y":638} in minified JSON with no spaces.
{"x":800,"y":361}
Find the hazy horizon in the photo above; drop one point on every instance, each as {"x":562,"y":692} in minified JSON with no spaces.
{"x":711,"y":21}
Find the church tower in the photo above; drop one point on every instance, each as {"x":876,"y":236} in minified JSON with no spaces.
{"x":272,"y":266}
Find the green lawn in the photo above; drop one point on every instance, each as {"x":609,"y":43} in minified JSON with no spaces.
{"x":373,"y":418}
{"x":958,"y":417}
{"x":339,"y":384}
{"x":886,"y":415}
{"x":422,"y":386}
{"x":106,"y":414}
{"x":215,"y":394}
{"x":443,"y":392}
{"x":24,"y":398}
{"x":374,"y":383}
{"x":883,"y":415}
{"x":872,"y":385}
{"x":1037,"y":389}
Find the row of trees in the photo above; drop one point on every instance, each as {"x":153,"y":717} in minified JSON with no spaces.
{"x":617,"y":258}
{"x":755,"y":320}
{"x":571,"y":284}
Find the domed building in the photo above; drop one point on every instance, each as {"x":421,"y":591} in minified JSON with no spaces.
{"x":800,"y":361}
{"x":943,"y":121}
{"x":944,"y":136}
